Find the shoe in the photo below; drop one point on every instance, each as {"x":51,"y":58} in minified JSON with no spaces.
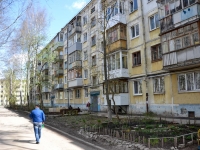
{"x":37,"y":142}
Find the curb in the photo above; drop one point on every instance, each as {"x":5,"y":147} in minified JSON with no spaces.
{"x":87,"y":143}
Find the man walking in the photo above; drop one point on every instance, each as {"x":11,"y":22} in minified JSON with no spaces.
{"x":38,"y":117}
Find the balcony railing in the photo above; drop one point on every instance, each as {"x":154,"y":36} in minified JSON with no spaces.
{"x":59,"y":72}
{"x":118,"y":18}
{"x":58,"y":46}
{"x":45,"y":67}
{"x":76,"y":82}
{"x":76,"y":64}
{"x":120,"y":99}
{"x":59,"y":86}
{"x":45,"y":90}
{"x":118,"y":45}
{"x":58,"y":58}
{"x":76,"y":46}
{"x":45,"y":78}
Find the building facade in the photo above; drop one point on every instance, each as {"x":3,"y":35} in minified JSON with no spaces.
{"x":152,"y":54}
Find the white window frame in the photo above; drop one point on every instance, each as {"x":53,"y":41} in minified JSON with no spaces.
{"x":85,"y":55}
{"x":84,"y":20}
{"x":135,"y":26}
{"x":186,"y":81}
{"x":151,"y":29}
{"x":78,"y":93}
{"x":86,"y":92}
{"x":131,"y":5}
{"x":85,"y":74}
{"x":159,"y":91}
{"x":139,"y":83}
{"x":85,"y":37}
{"x":93,"y":40}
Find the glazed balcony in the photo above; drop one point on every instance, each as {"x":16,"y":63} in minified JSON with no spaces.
{"x":76,"y":82}
{"x":120,"y":99}
{"x":178,"y":16}
{"x":76,"y":46}
{"x":75,"y":30}
{"x":58,"y":46}
{"x":181,"y":59}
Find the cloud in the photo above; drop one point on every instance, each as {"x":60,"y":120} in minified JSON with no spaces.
{"x":77,"y":4}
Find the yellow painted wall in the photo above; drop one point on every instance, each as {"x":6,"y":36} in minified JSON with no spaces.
{"x":185,"y":97}
{"x":120,"y":44}
{"x":154,"y":33}
{"x":155,"y":66}
{"x":133,"y":15}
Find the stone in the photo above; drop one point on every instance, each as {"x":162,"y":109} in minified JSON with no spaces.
{"x":172,"y":148}
{"x":146,"y":148}
{"x":190,"y":143}
{"x":181,"y":145}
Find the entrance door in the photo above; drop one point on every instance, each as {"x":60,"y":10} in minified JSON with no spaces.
{"x":94,"y":103}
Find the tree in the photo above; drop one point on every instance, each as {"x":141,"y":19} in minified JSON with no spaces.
{"x":30,"y":38}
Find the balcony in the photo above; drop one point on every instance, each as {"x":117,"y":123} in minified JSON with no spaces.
{"x":58,"y":58}
{"x":181,"y":59}
{"x":45,"y":67}
{"x":45,"y":90}
{"x":118,"y":73}
{"x":75,"y":29}
{"x":179,"y":18}
{"x":75,"y":47}
{"x":76,"y":82}
{"x":59,"y":86}
{"x":59,"y":72}
{"x":45,"y":78}
{"x":118,"y":18}
{"x":58,"y":46}
{"x":118,"y":45}
{"x":76,"y":64}
{"x":120,"y":99}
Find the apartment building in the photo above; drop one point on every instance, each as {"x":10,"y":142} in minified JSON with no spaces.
{"x":152,"y":57}
{"x":18,"y":92}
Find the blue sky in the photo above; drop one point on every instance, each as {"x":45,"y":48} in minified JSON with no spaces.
{"x":60,"y":12}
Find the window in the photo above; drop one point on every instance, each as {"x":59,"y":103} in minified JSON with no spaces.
{"x":154,"y":22}
{"x":133,"y":5}
{"x":178,"y":43}
{"x":135,"y":31}
{"x":186,"y":41}
{"x":94,"y":60}
{"x":136,"y":58}
{"x":137,"y":87}
{"x":85,"y":55}
{"x":85,"y":37}
{"x":86,"y":92}
{"x":94,"y":40}
{"x":189,"y":81}
{"x":93,"y":22}
{"x":61,"y":95}
{"x":94,"y":80}
{"x":158,"y":85}
{"x":86,"y":74}
{"x":112,"y":35}
{"x":78,"y":93}
{"x":195,"y":38}
{"x":156,"y":53}
{"x":65,"y":79}
{"x":92,"y":10}
{"x":65,"y":64}
{"x":84,"y":20}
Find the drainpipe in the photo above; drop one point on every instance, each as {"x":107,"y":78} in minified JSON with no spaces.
{"x":67,"y":67}
{"x":172,"y":96}
{"x":145,"y":55}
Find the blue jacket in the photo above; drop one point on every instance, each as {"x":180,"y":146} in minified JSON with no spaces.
{"x":37,"y":115}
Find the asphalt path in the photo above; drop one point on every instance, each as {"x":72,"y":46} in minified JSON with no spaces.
{"x":16,"y":133}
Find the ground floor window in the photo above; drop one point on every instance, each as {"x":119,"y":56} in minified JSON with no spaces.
{"x":189,"y":81}
{"x":158,"y":85}
{"x":86,"y":92}
{"x":137,"y":87}
{"x":78,"y":93}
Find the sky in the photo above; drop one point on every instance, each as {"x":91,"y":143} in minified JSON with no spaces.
{"x":61,"y":12}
